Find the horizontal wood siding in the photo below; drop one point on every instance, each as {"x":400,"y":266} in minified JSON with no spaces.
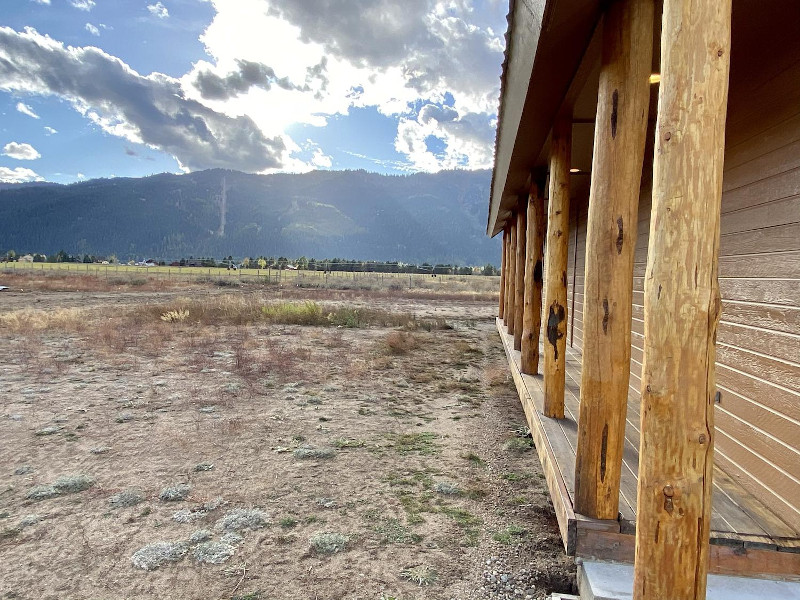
{"x":758,"y":343}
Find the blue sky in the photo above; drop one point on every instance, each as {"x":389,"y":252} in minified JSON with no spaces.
{"x":104,"y":88}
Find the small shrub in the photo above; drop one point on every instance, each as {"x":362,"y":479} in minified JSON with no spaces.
{"x":174,"y":493}
{"x":213,"y":553}
{"x":392,"y":531}
{"x":421,"y":575}
{"x":518,"y":444}
{"x":287,"y":522}
{"x":474,"y":459}
{"x":51,"y":430}
{"x":240,"y":519}
{"x":446,"y":488}
{"x":71,"y":484}
{"x":154,"y":555}
{"x":127,"y":498}
{"x":329,"y":542}
{"x":400,"y":342}
{"x":42,"y":492}
{"x":203,"y":466}
{"x":311,"y":452}
{"x":175,"y":316}
{"x":201,"y":535}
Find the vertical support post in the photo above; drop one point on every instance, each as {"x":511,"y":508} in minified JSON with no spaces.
{"x":556,"y":265}
{"x":512,"y":290}
{"x":532,"y":316}
{"x":519,"y":285}
{"x":503,"y":275}
{"x":682,"y":304}
{"x":619,"y":142}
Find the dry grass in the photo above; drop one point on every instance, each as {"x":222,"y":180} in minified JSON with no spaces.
{"x":400,"y":342}
{"x":29,"y":320}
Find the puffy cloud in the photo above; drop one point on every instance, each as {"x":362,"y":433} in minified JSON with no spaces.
{"x":20,"y":151}
{"x":467,"y":139}
{"x":248,"y":74}
{"x":26,"y":110}
{"x":86,"y":5}
{"x":41,"y":1}
{"x":149,"y":109}
{"x":158,"y":10}
{"x":390,"y":54}
{"x":50,"y":131}
{"x":18,"y":175}
{"x":92,"y":29}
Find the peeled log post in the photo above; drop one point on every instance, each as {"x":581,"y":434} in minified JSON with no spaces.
{"x":512,"y":290}
{"x":619,"y":141}
{"x":556,"y":284}
{"x":532,"y":312}
{"x":519,"y":285}
{"x":682,"y":304}
{"x":503,"y":275}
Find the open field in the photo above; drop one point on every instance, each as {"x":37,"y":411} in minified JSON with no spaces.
{"x":334,"y":279}
{"x":174,"y":439}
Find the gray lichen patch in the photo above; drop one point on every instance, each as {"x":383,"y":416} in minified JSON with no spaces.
{"x":154,"y":555}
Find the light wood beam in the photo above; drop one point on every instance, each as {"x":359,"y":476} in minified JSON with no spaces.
{"x":556,"y":265}
{"x":532,"y":316}
{"x":519,"y":285}
{"x":682,"y":304}
{"x":619,"y":141}
{"x":508,"y":318}
{"x":502,"y":294}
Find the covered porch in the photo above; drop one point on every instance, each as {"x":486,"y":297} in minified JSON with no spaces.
{"x":647,"y":187}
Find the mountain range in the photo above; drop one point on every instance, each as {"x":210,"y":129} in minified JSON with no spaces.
{"x":435,"y":218}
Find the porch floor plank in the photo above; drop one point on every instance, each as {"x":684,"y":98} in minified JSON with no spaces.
{"x":739,"y":521}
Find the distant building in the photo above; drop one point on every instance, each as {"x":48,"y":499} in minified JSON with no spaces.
{"x":28,"y":258}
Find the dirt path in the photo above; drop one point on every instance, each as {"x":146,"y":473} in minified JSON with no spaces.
{"x":314,"y":462}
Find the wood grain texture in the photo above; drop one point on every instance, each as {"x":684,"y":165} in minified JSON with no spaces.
{"x":519,"y":273}
{"x":682,"y":304}
{"x":619,"y":143}
{"x":532,"y":316}
{"x":556,"y":265}
{"x":508,"y":317}
{"x":502,"y":301}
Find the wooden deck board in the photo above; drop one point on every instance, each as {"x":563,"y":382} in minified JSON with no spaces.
{"x":739,"y":521}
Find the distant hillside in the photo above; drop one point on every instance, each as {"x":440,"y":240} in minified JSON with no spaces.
{"x":436,"y":218}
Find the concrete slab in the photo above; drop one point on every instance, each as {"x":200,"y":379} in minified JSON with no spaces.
{"x":614,"y":581}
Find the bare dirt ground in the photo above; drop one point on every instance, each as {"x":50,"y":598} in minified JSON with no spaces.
{"x":236,"y":457}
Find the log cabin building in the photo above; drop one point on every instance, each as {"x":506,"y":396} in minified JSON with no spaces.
{"x":647,"y":188}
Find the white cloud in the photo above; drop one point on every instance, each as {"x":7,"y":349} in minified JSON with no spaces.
{"x":86,"y":5}
{"x":388,"y":54}
{"x":20,"y":151}
{"x":158,"y":10}
{"x":50,"y":131}
{"x":18,"y":175}
{"x":92,"y":29}
{"x":26,"y":110}
{"x":321,"y":160}
{"x":81,"y":176}
{"x":150,"y":110}
{"x":41,"y":1}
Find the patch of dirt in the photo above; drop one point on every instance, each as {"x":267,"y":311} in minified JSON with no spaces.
{"x":414,"y":482}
